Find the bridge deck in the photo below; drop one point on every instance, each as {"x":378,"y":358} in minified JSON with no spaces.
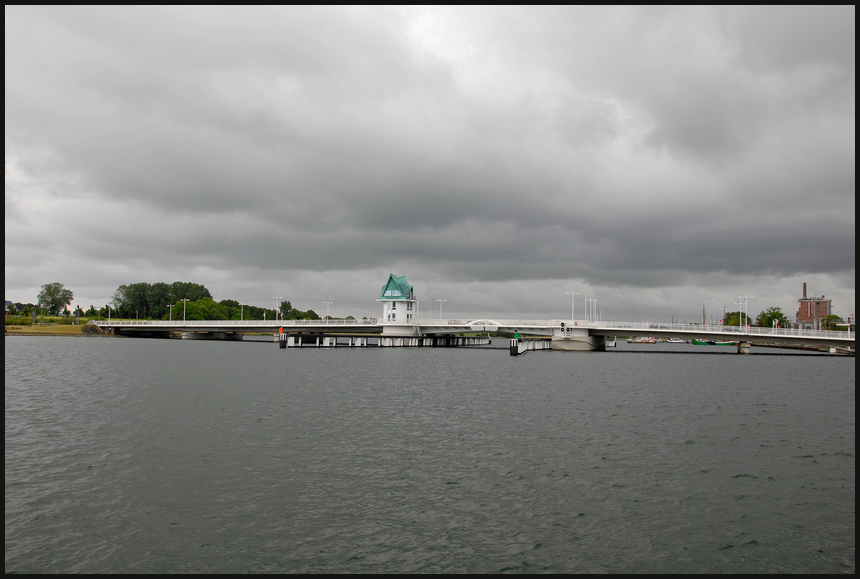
{"x":555,"y":328}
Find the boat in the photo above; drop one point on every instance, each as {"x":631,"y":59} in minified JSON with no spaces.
{"x":677,"y":341}
{"x":712,"y":343}
{"x":642,"y":340}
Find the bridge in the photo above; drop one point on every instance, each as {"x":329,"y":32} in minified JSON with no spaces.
{"x":571,"y":335}
{"x":399,"y":327}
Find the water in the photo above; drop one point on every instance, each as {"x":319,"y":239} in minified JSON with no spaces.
{"x":127,"y":455}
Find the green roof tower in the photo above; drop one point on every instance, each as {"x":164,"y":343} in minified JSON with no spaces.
{"x":399,"y":305}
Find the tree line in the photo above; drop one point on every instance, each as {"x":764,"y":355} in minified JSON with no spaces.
{"x":774,"y":316}
{"x":177,"y":300}
{"x":192,"y":301}
{"x":765,"y":318}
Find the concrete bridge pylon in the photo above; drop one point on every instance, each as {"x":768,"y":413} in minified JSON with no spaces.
{"x":569,"y":338}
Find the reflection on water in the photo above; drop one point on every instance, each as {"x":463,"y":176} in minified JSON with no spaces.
{"x":157,"y":455}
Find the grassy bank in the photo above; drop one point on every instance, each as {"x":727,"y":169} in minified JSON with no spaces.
{"x":45,"y":330}
{"x":46,"y":326}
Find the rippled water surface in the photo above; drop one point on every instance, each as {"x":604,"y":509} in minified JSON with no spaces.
{"x":171,"y":455}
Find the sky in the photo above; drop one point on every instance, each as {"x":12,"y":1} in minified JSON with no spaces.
{"x":651,"y":159}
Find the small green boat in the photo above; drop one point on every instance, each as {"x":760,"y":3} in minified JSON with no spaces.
{"x":712,"y":343}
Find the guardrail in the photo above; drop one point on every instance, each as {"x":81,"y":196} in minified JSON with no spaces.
{"x":646,"y":327}
{"x":237,"y":323}
{"x":643,"y":328}
{"x":630,"y":328}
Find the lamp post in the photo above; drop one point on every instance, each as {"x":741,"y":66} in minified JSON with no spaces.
{"x":327,"y":304}
{"x":571,"y":294}
{"x":746,"y":307}
{"x":440,"y":307}
{"x":170,"y":309}
{"x":184,"y":303}
{"x":276,"y":298}
{"x":241,"y":312}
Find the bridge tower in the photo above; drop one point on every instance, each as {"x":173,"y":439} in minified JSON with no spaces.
{"x":399,"y":305}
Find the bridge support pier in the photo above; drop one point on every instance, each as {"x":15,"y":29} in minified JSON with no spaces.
{"x":522,"y":345}
{"x":579,"y":344}
{"x":570,"y":338}
{"x":211,"y":336}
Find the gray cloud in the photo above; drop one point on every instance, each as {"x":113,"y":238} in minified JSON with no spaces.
{"x":608,"y":148}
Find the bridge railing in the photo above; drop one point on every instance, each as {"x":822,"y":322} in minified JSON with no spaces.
{"x":645,"y":327}
{"x":639,"y":328}
{"x":237,"y":323}
{"x":459,"y":325}
{"x":461,"y":322}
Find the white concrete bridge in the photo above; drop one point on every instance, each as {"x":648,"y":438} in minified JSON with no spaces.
{"x":399,"y":326}
{"x":565,"y":334}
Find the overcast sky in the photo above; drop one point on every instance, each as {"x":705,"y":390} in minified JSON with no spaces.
{"x":652,"y":158}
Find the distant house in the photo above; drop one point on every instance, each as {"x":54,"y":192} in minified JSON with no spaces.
{"x":398,"y":301}
{"x":810,"y":311}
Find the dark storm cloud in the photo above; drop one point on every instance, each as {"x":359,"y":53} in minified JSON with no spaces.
{"x":637,"y":147}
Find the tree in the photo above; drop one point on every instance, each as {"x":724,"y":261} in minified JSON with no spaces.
{"x":734,"y":319}
{"x":55,"y":297}
{"x":308,"y":315}
{"x":773,"y":314}
{"x":186,"y":289}
{"x":830,"y":322}
{"x":233,"y":309}
{"x":125,"y":300}
{"x":145,"y":299}
{"x":202,"y":309}
{"x":286,"y":310}
{"x":158,"y":297}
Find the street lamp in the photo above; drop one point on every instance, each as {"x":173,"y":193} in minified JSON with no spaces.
{"x":746,"y":307}
{"x":326,"y":308}
{"x":276,"y":298}
{"x":571,"y":294}
{"x":440,"y":307}
{"x":184,"y":303}
{"x":170,"y":309}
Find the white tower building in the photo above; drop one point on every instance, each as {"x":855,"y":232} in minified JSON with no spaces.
{"x":399,"y":305}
